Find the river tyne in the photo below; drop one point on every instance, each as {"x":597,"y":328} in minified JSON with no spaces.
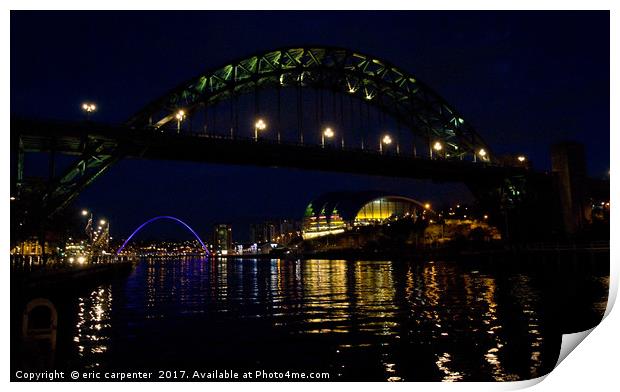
{"x":355,"y":320}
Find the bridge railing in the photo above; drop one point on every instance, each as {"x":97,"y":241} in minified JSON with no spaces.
{"x":333,"y":146}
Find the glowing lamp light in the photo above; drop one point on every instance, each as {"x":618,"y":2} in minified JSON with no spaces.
{"x":260,"y":125}
{"x":437,"y":146}
{"x":521,"y":158}
{"x":84,"y":212}
{"x":81,"y":259}
{"x":102,"y":222}
{"x":387,"y":139}
{"x":327,"y":133}
{"x":482,"y":152}
{"x":180,"y":115}
{"x":89,"y":107}
{"x":427,"y":206}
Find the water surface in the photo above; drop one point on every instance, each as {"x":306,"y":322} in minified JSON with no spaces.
{"x":357,"y":320}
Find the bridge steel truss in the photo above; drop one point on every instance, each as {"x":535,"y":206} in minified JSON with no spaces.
{"x":375,"y":81}
{"x":94,"y":155}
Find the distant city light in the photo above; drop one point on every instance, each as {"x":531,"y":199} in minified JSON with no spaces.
{"x":521,"y":158}
{"x":486,"y":216}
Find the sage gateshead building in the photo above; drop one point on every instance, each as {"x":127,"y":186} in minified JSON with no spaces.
{"x":337,"y":212}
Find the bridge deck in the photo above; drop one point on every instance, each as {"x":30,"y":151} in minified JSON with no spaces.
{"x":70,"y":138}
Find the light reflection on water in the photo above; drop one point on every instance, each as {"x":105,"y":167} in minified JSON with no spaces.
{"x":378,"y":320}
{"x":92,"y":330}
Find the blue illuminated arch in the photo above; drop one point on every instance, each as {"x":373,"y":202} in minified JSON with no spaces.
{"x":158,"y":218}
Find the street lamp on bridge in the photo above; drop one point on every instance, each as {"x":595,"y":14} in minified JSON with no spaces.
{"x":327,"y":133}
{"x":387,"y":140}
{"x":260,"y":125}
{"x":482,"y":153}
{"x":437,"y":147}
{"x":89,"y":108}
{"x":180,"y":116}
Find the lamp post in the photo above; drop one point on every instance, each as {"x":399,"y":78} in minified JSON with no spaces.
{"x":180,"y":116}
{"x":437,"y":146}
{"x":260,"y":125}
{"x":89,"y":108}
{"x":327,"y":133}
{"x":482,"y":152}
{"x":387,"y":140}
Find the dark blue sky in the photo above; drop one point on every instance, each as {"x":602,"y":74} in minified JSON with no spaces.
{"x":523,"y":79}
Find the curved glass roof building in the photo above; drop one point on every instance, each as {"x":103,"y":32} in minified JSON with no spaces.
{"x":335,"y":212}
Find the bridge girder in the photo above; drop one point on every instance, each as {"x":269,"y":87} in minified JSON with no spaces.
{"x":375,"y":81}
{"x":98,"y":146}
{"x":94,"y":155}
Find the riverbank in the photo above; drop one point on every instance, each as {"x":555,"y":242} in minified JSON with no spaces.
{"x":69,"y":277}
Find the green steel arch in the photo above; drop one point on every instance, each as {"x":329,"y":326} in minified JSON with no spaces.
{"x":392,"y":90}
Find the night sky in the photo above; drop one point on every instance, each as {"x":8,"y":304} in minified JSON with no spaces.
{"x":523,"y":79}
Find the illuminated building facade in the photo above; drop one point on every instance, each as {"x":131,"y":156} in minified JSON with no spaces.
{"x":222,"y":238}
{"x":264,"y":232}
{"x":30,"y":247}
{"x":334,"y":213}
{"x":276,"y":231}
